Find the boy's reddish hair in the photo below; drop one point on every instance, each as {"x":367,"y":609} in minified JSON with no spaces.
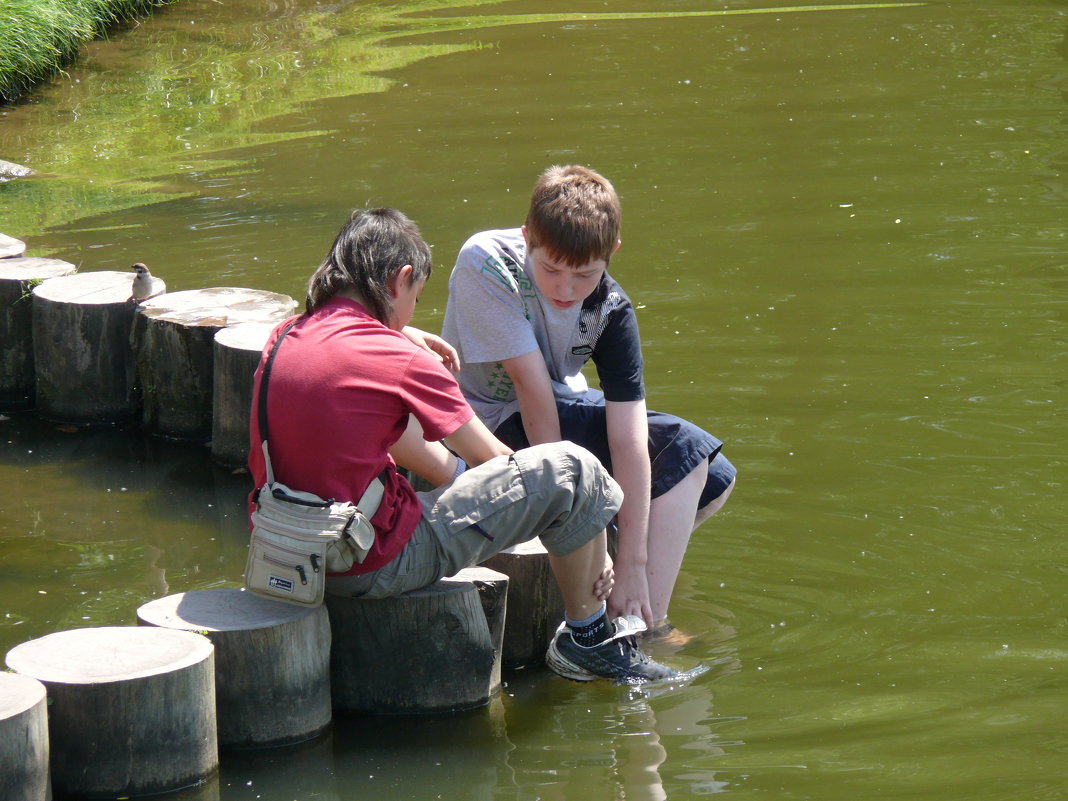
{"x":574,"y":214}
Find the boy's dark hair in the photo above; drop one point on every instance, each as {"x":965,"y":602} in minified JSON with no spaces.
{"x":574,"y":214}
{"x":368,"y":250}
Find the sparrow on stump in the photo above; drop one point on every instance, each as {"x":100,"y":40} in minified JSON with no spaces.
{"x":141,"y":287}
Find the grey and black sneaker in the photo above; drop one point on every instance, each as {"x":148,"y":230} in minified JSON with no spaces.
{"x":618,"y":658}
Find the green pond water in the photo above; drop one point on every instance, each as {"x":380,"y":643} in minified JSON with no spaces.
{"x":845,"y":228}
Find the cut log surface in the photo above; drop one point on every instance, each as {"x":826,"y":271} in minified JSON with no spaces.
{"x":535,"y":605}
{"x":131,"y":709}
{"x":11,"y":247}
{"x":237,"y":352}
{"x":173,"y":340}
{"x":98,"y":288}
{"x":97,"y":655}
{"x":18,"y":276}
{"x":81,"y":346}
{"x":421,"y":652}
{"x":23,"y":739}
{"x":272,"y":662}
{"x":9,"y":170}
{"x":33,"y":269}
{"x":217,"y":307}
{"x":221,"y":610}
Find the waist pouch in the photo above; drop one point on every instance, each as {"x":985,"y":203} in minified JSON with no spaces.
{"x":297,"y":538}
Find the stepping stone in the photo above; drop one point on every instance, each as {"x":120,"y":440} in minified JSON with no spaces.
{"x":425,"y":651}
{"x":10,"y":247}
{"x":173,"y":346}
{"x":23,"y":739}
{"x":81,"y":348}
{"x":131,"y":709}
{"x":272,"y":665}
{"x":535,"y":604}
{"x":18,"y":277}
{"x":237,"y":351}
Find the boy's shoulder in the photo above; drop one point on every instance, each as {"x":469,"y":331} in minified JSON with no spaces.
{"x":497,"y":257}
{"x":505,"y":243}
{"x":608,"y":296}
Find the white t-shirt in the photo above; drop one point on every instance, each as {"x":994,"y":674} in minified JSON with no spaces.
{"x":495,"y":312}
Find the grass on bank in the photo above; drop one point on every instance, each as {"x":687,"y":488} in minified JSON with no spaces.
{"x":40,"y":37}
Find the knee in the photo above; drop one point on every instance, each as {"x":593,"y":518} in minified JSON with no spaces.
{"x":574,"y":474}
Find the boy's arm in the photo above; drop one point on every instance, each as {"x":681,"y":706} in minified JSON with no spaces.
{"x":628,"y":442}
{"x":475,"y":443}
{"x":429,"y":460}
{"x":434,"y":344}
{"x":534,"y":390}
{"x":433,"y":461}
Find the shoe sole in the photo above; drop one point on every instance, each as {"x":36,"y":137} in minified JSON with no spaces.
{"x":562,"y":666}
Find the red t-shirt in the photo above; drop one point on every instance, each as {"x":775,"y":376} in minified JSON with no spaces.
{"x":341,"y":389}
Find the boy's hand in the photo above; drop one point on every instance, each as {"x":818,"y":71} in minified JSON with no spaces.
{"x":602,"y":588}
{"x":630,"y":596}
{"x":434,"y":344}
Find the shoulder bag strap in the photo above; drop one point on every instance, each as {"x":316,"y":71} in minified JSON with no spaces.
{"x":372,"y":496}
{"x":262,"y":400}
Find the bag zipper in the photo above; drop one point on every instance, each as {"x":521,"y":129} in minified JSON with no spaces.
{"x":298,"y":567}
{"x":339,"y":521}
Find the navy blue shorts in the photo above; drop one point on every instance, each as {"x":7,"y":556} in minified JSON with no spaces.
{"x":676,"y":446}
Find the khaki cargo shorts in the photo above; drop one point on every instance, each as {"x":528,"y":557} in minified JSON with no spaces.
{"x":558,"y":492}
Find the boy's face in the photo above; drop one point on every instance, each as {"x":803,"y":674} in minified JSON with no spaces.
{"x":562,"y":285}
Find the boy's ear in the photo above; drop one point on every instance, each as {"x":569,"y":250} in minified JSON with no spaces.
{"x":401,"y":278}
{"x":618,"y":243}
{"x":524,"y":230}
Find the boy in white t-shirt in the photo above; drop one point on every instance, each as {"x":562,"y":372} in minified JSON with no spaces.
{"x":527,"y":308}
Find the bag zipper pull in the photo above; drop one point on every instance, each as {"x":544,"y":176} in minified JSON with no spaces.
{"x":315,"y":561}
{"x":303,"y":576}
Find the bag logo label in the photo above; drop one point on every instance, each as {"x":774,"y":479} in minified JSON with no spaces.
{"x":279,"y":583}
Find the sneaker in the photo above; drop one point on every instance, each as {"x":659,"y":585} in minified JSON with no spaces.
{"x":618,"y":657}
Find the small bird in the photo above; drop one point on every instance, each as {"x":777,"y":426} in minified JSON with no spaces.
{"x":141,"y":286}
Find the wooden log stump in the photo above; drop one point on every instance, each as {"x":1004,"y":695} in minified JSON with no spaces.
{"x":81,"y":348}
{"x":11,"y":247}
{"x":535,"y":604}
{"x":18,"y":277}
{"x":23,"y":739}
{"x":422,"y":652}
{"x":237,"y":352}
{"x":173,"y":345}
{"x":9,"y":170}
{"x":131,"y":710}
{"x":493,"y":595}
{"x":272,"y":662}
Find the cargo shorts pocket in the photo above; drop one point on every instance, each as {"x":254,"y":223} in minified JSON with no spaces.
{"x":478,"y":494}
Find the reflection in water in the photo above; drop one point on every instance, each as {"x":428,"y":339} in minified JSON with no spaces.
{"x":301,"y":772}
{"x":543,"y":737}
{"x":181,"y":103}
{"x":117,"y":517}
{"x":610,"y":742}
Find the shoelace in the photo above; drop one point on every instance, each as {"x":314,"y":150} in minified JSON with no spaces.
{"x":631,"y":642}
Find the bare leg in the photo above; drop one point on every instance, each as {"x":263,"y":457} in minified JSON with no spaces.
{"x":577,"y":573}
{"x":713,"y":506}
{"x":671,"y":519}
